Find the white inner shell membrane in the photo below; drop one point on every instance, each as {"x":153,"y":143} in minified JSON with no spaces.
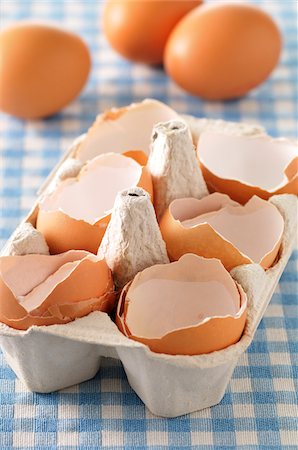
{"x":23,"y":273}
{"x":159,"y":306}
{"x":39,"y":294}
{"x":256,"y":161}
{"x":130,"y":131}
{"x":40,"y":274}
{"x":92,"y":196}
{"x":252,"y":231}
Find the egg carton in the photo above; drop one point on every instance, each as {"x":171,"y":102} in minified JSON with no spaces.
{"x":49,"y":358}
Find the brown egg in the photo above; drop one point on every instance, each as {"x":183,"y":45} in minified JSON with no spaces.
{"x":139,"y":30}
{"x":188,"y":307}
{"x":222,"y":51}
{"x":42,"y":69}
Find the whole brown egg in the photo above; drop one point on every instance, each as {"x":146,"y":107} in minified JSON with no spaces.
{"x":139,"y":29}
{"x":222,"y":51}
{"x":42,"y":68}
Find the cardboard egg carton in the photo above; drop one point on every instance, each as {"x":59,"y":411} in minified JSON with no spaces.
{"x":48,"y":358}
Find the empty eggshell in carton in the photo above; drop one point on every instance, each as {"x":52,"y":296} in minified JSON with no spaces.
{"x":138,"y":155}
{"x":188,"y":307}
{"x":50,"y":289}
{"x":173,"y":166}
{"x":245,"y":166}
{"x":76,"y":214}
{"x":129,"y":129}
{"x":48,"y":358}
{"x":124,"y":129}
{"x":218,"y":227}
{"x":132,"y":240}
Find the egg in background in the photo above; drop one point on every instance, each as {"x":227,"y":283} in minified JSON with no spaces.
{"x":42,"y":69}
{"x":139,"y":30}
{"x":221,"y":51}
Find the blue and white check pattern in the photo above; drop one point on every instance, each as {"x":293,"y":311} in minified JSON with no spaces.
{"x":259,"y":409}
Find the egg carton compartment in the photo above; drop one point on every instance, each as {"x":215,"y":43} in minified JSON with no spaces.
{"x":49,"y":358}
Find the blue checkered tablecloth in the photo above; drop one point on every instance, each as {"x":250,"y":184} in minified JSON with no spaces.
{"x":259,"y":409}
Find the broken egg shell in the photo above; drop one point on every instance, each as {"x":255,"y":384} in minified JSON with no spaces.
{"x":210,"y":333}
{"x":47,"y":290}
{"x":138,"y":155}
{"x":245,"y":166}
{"x":236,"y":234}
{"x":64,"y":232}
{"x":123,"y":129}
{"x":26,"y":240}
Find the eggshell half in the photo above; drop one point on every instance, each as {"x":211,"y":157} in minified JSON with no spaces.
{"x":123,"y":129}
{"x":47,"y":290}
{"x":76,"y":214}
{"x":245,"y":166}
{"x":218,"y":227}
{"x":188,"y":307}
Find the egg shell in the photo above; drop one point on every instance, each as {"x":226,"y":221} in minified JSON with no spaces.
{"x":245,"y":166}
{"x":139,"y":30}
{"x":47,"y":290}
{"x":205,"y":335}
{"x":222,"y":51}
{"x":63,"y":231}
{"x":217,"y":227}
{"x":43,"y":68}
{"x":124,"y":129}
{"x":138,"y":155}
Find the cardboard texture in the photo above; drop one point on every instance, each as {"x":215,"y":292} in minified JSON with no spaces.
{"x":48,"y":358}
{"x":173,"y":165}
{"x":132,"y":240}
{"x":74,"y":216}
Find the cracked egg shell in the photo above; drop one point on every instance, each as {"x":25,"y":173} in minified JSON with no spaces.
{"x":189,"y":307}
{"x":218,"y":227}
{"x":138,"y":155}
{"x":124,"y":129}
{"x":53,"y":289}
{"x":76,"y":214}
{"x":245,"y":166}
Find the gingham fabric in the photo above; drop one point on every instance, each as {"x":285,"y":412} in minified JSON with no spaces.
{"x":259,"y":409}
